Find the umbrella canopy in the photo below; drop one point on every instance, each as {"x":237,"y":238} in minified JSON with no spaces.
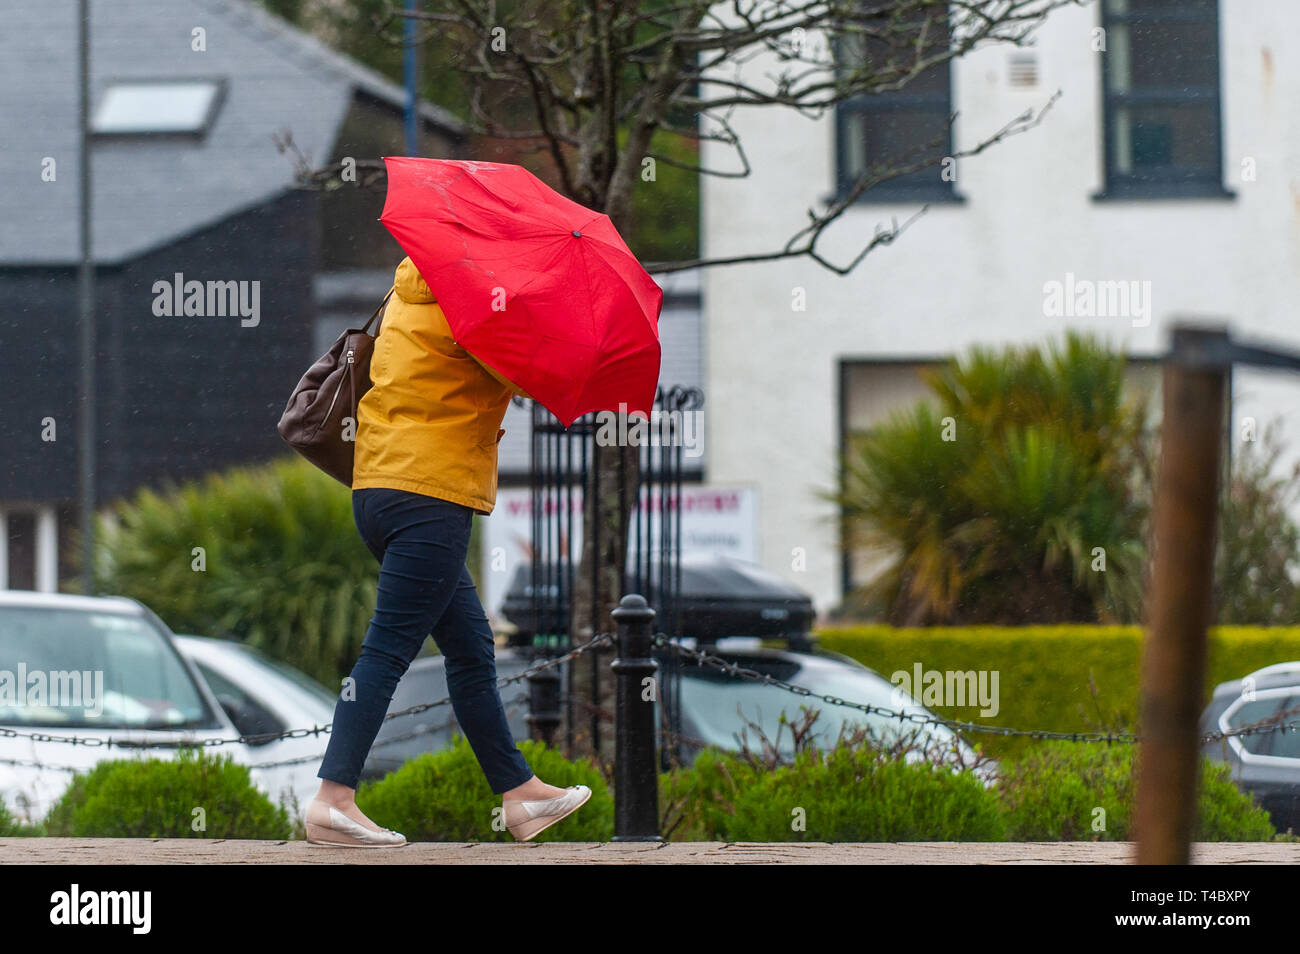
{"x":535,"y":285}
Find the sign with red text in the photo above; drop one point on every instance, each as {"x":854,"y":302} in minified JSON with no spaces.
{"x":714,"y":519}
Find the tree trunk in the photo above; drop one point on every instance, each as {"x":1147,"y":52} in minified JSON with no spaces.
{"x":605,"y":179}
{"x":606,"y":515}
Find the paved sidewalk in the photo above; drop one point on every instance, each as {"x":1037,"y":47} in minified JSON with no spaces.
{"x":183,"y":851}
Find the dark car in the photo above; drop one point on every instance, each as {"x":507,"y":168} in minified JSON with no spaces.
{"x":722,"y":710}
{"x":719,"y":597}
{"x":1264,"y":764}
{"x":716,"y":709}
{"x":409,"y":736}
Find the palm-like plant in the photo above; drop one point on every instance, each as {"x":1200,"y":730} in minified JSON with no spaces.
{"x":1048,"y":461}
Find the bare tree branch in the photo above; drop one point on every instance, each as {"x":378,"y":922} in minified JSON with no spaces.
{"x":804,"y":242}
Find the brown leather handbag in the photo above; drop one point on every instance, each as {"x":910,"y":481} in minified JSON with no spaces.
{"x":320,"y":419}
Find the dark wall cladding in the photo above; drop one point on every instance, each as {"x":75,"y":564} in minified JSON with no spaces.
{"x":178,"y":395}
{"x":38,"y":379}
{"x":351,"y":234}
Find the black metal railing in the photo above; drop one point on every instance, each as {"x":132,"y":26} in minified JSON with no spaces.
{"x":563,"y":478}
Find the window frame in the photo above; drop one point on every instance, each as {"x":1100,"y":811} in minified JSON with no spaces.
{"x":1226,"y":723}
{"x":1128,"y":186}
{"x":220,"y":86}
{"x":896,"y":101}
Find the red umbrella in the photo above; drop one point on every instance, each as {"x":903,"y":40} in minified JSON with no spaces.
{"x":537,"y":286}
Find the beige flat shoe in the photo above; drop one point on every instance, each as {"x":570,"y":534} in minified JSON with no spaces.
{"x":328,"y":827}
{"x":526,"y":819}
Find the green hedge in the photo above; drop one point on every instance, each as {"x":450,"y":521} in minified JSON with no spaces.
{"x":844,"y":794}
{"x":858,"y":795}
{"x":848,"y":794}
{"x":1070,"y":791}
{"x":1063,"y":678}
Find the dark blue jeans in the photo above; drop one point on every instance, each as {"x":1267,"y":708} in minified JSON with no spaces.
{"x":424,"y":588}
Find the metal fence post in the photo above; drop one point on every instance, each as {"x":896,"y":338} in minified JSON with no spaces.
{"x":1173,"y":679}
{"x":636,"y":781}
{"x":544,"y":705}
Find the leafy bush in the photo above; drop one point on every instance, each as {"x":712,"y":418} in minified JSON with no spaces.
{"x":285,"y":568}
{"x":851,"y":792}
{"x":158,"y":798}
{"x":1059,"y":678}
{"x":1055,"y":792}
{"x":443,"y":796}
{"x":1046,"y":460}
{"x":999,"y":520}
{"x":10,"y":827}
{"x":857,"y":793}
{"x":1258,"y":542}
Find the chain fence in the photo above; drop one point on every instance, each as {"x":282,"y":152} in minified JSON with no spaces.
{"x":1273,"y":723}
{"x":6,"y":732}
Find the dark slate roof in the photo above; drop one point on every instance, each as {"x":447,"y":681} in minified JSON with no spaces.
{"x":149,"y":191}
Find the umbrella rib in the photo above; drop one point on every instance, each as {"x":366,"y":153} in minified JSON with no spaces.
{"x":632,"y":291}
{"x":586,"y":278}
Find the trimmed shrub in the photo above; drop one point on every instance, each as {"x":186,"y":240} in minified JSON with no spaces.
{"x":1069,"y":791}
{"x":159,"y":798}
{"x":849,"y":793}
{"x":443,"y":796}
{"x":1058,"y":678}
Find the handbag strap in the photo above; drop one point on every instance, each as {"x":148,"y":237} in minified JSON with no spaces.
{"x":366,"y":326}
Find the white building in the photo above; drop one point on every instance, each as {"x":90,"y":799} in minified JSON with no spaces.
{"x":1171,"y":158}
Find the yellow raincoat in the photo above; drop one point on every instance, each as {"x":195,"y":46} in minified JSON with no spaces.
{"x":431,"y":421}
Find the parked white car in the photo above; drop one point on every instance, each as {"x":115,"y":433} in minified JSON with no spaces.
{"x":107,"y":668}
{"x":263,"y":696}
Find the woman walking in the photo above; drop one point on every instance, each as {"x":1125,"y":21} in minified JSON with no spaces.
{"x":425,"y":462}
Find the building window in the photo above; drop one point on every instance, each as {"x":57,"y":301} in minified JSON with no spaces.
{"x":896,"y":127}
{"x":157,"y":107}
{"x":1161,"y":98}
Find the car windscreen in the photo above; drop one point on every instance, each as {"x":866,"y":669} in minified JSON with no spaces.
{"x":83,"y":669}
{"x":721,"y":706}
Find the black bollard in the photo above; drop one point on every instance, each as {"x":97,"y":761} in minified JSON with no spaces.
{"x":636,"y":781}
{"x":543,"y":705}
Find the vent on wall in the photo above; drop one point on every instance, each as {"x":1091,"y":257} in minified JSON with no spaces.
{"x":1022,"y":69}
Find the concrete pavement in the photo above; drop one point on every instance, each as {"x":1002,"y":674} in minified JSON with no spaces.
{"x":185,"y":851}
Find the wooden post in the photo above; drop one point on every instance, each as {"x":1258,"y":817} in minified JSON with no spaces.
{"x":1173,"y":678}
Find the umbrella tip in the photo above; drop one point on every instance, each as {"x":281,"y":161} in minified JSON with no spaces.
{"x":577,"y":234}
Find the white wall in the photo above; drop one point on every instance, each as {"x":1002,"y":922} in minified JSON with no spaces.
{"x":974,"y":272}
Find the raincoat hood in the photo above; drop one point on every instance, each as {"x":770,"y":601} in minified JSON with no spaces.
{"x":431,"y":420}
{"x":410,"y":284}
